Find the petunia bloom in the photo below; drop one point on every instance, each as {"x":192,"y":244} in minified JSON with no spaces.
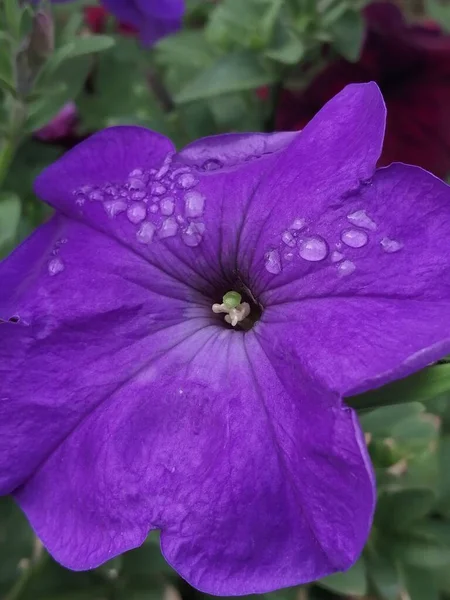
{"x":411,"y":64}
{"x":179,"y":339}
{"x":61,"y":126}
{"x":153,"y":19}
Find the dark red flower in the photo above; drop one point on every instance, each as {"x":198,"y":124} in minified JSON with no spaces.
{"x":96,"y":17}
{"x":411,"y":64}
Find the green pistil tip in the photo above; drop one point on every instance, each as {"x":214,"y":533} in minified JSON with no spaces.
{"x":232,"y":299}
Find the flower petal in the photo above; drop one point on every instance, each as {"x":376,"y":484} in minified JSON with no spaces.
{"x":210,"y":447}
{"x":179,"y":212}
{"x":78,"y":327}
{"x":381,"y":310}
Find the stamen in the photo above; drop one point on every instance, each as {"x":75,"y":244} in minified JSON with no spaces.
{"x":235,"y":310}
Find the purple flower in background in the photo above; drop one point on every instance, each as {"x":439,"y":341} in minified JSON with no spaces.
{"x":62,"y":125}
{"x":153,"y":19}
{"x":179,"y":337}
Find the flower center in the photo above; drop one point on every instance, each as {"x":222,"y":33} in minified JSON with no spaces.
{"x":235,"y":310}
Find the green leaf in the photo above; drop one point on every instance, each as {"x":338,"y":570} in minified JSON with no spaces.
{"x":348,"y":35}
{"x":420,"y":584}
{"x":397,"y":510}
{"x":382,"y":573}
{"x":232,"y":73}
{"x":426,"y":545}
{"x":287,"y":48}
{"x":351,"y":582}
{"x":248,"y":24}
{"x":420,"y":387}
{"x":381,"y":421}
{"x":13,"y":15}
{"x":90,"y":44}
{"x":10,"y":209}
{"x":439,"y":11}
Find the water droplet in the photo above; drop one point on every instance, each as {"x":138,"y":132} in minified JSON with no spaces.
{"x":136,"y":173}
{"x":273,"y":262}
{"x":355,"y":238}
{"x":137,"y":212}
{"x":110,"y":189}
{"x":167,"y":206}
{"x":96,"y":196}
{"x":115,"y":207}
{"x":80,"y":200}
{"x":192,"y":235}
{"x":85,"y":189}
{"x":153,"y":208}
{"x":187,"y":181}
{"x":139,"y":195}
{"x":288,"y":255}
{"x":146,"y":233}
{"x":288,"y":239}
{"x":178,"y":171}
{"x":338,"y":245}
{"x":135,"y":184}
{"x":313,"y":249}
{"x":346,"y":267}
{"x":158,"y":189}
{"x":298,"y":224}
{"x":212,"y":165}
{"x":169,"y":228}
{"x":336,"y":257}
{"x":194,"y":204}
{"x":62,"y":241}
{"x":162,"y":171}
{"x":55,"y":266}
{"x":390,"y":246}
{"x":180,"y":219}
{"x":362,"y":219}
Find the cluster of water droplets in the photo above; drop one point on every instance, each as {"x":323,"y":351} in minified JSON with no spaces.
{"x":55,"y":264}
{"x":161,"y":203}
{"x":314,"y":248}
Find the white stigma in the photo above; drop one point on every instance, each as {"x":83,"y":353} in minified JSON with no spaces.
{"x":235,"y":310}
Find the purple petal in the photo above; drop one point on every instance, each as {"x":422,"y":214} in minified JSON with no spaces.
{"x":83,"y":325}
{"x":206,"y":443}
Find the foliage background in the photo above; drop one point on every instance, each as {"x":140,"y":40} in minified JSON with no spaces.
{"x":224,"y":71}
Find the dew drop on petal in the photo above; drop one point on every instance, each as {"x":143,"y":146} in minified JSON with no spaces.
{"x":153,"y":208}
{"x":288,"y":239}
{"x":288,"y":256}
{"x":212,"y":165}
{"x":313,"y":249}
{"x":136,"y":173}
{"x":115,"y":207}
{"x":137,"y":212}
{"x":158,"y":189}
{"x":272,"y":262}
{"x":298,"y":224}
{"x":135,"y":184}
{"x":186,"y":181}
{"x":85,"y":189}
{"x":194,"y":204}
{"x":162,"y":171}
{"x":336,"y":256}
{"x":192,"y":235}
{"x":145,"y":233}
{"x":167,"y":206}
{"x":355,"y":238}
{"x":361,"y":219}
{"x":390,"y":246}
{"x":346,"y":267}
{"x":169,"y":228}
{"x":96,"y":196}
{"x":80,"y":200}
{"x":55,"y":266}
{"x":139,"y":195}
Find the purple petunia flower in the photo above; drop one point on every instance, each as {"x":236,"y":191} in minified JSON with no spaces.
{"x":153,"y":19}
{"x":128,"y":402}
